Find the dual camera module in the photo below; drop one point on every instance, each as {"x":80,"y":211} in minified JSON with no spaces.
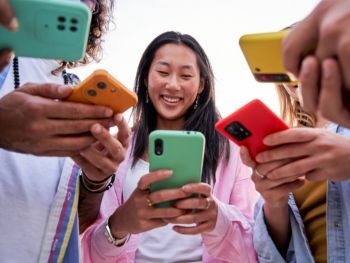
{"x":100,"y":85}
{"x":238,"y":131}
{"x":272,"y":77}
{"x":158,"y":146}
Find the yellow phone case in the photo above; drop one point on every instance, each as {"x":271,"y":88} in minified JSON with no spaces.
{"x":263,"y":53}
{"x":103,"y":89}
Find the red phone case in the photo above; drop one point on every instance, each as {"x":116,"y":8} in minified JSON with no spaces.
{"x":249,"y":125}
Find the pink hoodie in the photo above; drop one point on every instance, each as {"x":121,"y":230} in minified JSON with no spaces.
{"x":230,"y":241}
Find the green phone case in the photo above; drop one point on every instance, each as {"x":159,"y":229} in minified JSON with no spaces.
{"x":183,"y":153}
{"x":52,"y":29}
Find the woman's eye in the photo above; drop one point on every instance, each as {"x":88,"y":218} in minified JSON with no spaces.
{"x":163,"y":73}
{"x":187,"y":76}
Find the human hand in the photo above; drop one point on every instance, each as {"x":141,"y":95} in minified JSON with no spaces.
{"x":33,"y":120}
{"x":205,"y":211}
{"x":8,"y":20}
{"x":328,"y":95}
{"x":327,"y":27}
{"x":7,"y":16}
{"x":317,"y":153}
{"x":274,"y":191}
{"x":102,"y":158}
{"x":138,"y":214}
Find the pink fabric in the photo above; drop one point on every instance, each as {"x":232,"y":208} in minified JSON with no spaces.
{"x":230,"y":241}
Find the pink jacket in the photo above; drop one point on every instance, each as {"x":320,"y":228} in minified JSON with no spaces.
{"x":231,"y":239}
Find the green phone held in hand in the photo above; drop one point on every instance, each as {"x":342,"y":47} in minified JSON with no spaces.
{"x":179,"y":151}
{"x":50,"y":29}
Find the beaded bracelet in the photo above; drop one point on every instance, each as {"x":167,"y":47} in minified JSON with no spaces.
{"x":102,"y":186}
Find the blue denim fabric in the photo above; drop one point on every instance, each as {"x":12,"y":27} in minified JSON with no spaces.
{"x":338,"y":226}
{"x":3,"y":75}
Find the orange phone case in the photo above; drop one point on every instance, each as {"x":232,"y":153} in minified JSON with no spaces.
{"x":103,"y":89}
{"x":249,"y":125}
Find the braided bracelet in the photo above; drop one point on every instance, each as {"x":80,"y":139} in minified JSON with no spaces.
{"x":98,"y":186}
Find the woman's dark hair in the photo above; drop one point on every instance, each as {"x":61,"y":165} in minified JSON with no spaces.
{"x":201,"y":119}
{"x":98,"y":27}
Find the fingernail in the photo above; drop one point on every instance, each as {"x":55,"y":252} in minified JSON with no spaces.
{"x":169,"y":172}
{"x":325,"y":71}
{"x":97,"y":128}
{"x":258,"y":158}
{"x":13,"y":24}
{"x":63,"y":89}
{"x":119,"y":117}
{"x":12,"y":56}
{"x":185,"y":188}
{"x":108,"y":113}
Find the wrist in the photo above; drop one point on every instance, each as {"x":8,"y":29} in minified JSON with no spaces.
{"x":112,"y":238}
{"x":116,"y":225}
{"x":96,"y":186}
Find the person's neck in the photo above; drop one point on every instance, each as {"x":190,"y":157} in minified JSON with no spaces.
{"x":321,"y":122}
{"x":163,"y":124}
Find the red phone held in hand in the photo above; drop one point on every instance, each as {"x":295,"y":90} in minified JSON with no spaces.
{"x":249,"y":125}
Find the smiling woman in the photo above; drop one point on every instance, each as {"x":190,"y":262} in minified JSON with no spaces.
{"x":175,"y":88}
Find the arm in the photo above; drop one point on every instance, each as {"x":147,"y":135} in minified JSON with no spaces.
{"x":134,"y":216}
{"x":275,"y":194}
{"x":98,"y":163}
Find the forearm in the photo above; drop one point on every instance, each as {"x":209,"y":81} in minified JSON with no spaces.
{"x":88,"y":208}
{"x":278,"y":225}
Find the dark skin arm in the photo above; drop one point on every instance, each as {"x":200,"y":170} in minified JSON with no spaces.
{"x":98,"y":162}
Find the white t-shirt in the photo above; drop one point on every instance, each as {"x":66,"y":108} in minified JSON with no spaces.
{"x":27,"y":183}
{"x":161,"y":244}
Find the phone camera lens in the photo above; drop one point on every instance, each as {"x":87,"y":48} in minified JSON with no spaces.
{"x":101,"y":85}
{"x":74,"y":21}
{"x":237,"y":130}
{"x":61,"y":27}
{"x":61,"y":19}
{"x":92,"y":92}
{"x":158,"y":147}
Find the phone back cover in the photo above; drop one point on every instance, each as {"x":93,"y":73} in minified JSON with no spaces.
{"x":263,"y":51}
{"x":183,"y":153}
{"x":52,"y":29}
{"x":113,"y":95}
{"x":259,"y":120}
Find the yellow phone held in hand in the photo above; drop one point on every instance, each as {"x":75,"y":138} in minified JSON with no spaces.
{"x":263,"y":53}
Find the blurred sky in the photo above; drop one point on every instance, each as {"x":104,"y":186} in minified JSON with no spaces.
{"x":216,"y":24}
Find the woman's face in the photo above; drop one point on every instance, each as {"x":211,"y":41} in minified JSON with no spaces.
{"x":174,"y":81}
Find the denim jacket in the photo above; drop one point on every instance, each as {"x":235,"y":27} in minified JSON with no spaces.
{"x":338,"y":226}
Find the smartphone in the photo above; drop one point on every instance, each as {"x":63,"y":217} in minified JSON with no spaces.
{"x":53,"y":29}
{"x":102,"y":88}
{"x":263,"y":54}
{"x":179,"y":151}
{"x":249,"y":125}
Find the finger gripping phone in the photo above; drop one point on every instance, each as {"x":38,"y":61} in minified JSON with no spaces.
{"x":249,"y":125}
{"x":102,"y":88}
{"x":179,"y":151}
{"x":53,"y":29}
{"x":263,"y":53}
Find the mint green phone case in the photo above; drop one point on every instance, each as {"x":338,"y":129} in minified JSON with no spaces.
{"x":52,"y":29}
{"x":182,"y":152}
